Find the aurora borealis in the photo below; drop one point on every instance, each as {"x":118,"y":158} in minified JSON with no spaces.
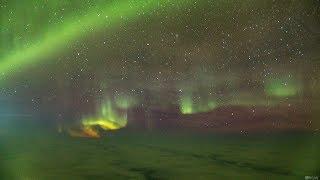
{"x":189,"y":105}
{"x":108,"y":119}
{"x":62,"y":34}
{"x":159,"y":89}
{"x":64,"y":58}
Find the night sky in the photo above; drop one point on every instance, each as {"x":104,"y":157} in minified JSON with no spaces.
{"x":96,"y":63}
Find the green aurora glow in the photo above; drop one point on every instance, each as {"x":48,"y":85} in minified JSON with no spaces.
{"x":282,"y":87}
{"x":108,"y":118}
{"x":125,"y":102}
{"x":188,"y":104}
{"x":74,"y":27}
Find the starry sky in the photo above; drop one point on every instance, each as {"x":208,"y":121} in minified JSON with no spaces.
{"x":90,"y":61}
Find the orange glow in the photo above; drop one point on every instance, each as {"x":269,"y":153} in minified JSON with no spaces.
{"x":86,"y":132}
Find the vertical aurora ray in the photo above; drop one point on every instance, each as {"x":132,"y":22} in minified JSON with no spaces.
{"x":108,"y":118}
{"x":61,"y":36}
{"x":190,"y":105}
{"x":186,"y":104}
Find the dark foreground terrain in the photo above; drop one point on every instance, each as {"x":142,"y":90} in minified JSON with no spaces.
{"x":39,"y":154}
